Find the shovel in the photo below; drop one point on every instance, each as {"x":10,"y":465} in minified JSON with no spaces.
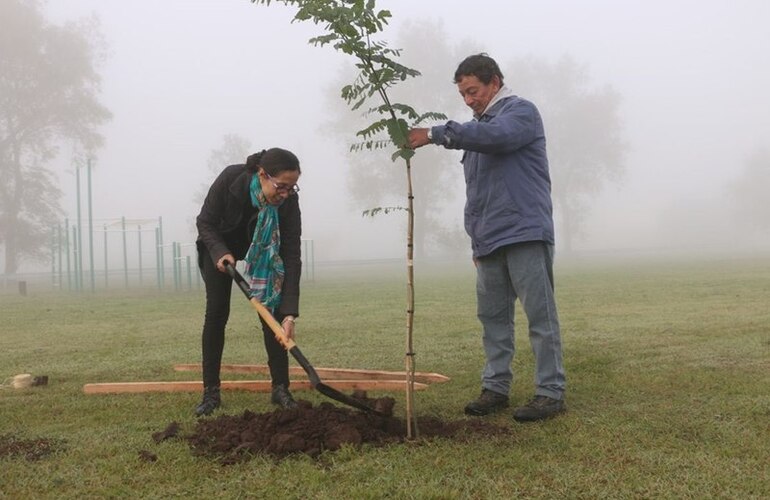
{"x":292,"y":348}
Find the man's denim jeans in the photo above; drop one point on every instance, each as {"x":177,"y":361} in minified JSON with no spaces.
{"x":523,"y":271}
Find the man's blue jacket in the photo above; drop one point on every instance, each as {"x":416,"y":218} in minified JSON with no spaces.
{"x":508,"y":187}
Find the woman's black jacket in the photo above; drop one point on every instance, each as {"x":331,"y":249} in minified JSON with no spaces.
{"x":226,"y":225}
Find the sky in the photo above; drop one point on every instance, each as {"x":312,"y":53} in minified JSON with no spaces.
{"x":180,"y":74}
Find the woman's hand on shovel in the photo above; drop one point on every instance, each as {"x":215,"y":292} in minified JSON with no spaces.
{"x":288,"y":327}
{"x":228,"y":257}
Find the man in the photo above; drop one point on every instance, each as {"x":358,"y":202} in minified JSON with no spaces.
{"x":509,"y":217}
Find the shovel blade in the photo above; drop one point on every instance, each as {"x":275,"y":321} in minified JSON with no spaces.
{"x":326,"y":390}
{"x":345,"y":399}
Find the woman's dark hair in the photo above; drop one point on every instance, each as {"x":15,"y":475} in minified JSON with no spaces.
{"x":481,"y":66}
{"x":273,"y":161}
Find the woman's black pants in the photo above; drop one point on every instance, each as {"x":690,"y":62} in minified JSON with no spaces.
{"x":218,"y":291}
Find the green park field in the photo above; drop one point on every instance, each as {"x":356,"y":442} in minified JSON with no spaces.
{"x":668,"y":366}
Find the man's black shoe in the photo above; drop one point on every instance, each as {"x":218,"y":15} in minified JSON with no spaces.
{"x":282,"y":397}
{"x":488,"y":402}
{"x":211,"y":401}
{"x":539,"y":408}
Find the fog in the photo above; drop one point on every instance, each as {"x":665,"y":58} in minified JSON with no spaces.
{"x":180,"y":74}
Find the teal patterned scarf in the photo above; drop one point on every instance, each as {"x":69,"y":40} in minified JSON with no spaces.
{"x":264,"y":266}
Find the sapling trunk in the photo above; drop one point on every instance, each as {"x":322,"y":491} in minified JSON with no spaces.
{"x":411,"y":420}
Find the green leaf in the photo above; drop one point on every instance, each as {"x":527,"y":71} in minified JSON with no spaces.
{"x":430,"y":115}
{"x":398,"y":131}
{"x":384,"y":15}
{"x":404,"y":153}
{"x":372,"y":129}
{"x":323,"y":39}
{"x":405,"y":109}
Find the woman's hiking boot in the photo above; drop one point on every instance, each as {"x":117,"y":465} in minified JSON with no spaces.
{"x":211,"y":401}
{"x":282,"y":397}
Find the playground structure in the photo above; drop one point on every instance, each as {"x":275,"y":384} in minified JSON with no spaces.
{"x":132,"y":267}
{"x":134,"y":261}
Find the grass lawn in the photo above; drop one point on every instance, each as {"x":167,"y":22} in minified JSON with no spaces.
{"x":668,"y":366}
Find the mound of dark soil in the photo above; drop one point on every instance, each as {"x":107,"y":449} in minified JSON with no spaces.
{"x":30,"y":449}
{"x":311,"y":430}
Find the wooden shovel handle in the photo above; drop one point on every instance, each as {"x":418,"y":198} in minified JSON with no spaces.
{"x":276,"y":327}
{"x":263,"y":312}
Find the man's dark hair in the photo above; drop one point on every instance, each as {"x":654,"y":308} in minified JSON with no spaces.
{"x":481,"y":66}
{"x":273,"y":161}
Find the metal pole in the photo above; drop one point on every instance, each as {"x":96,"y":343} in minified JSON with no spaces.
{"x":67,"y":241}
{"x":125,"y":252}
{"x":189,"y":274}
{"x":160,"y":244}
{"x":90,"y":230}
{"x":76,"y":257}
{"x":106,"y":271}
{"x":181,"y":266}
{"x":139,"y":237}
{"x":175,"y":261}
{"x":79,"y":238}
{"x":58,"y":238}
{"x":179,"y":262}
{"x":53,"y":257}
{"x":157,"y":257}
{"x":174,"y":258}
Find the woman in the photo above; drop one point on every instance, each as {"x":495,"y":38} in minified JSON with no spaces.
{"x":251,"y":213}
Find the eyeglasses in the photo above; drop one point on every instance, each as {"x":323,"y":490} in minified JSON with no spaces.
{"x":283,"y":188}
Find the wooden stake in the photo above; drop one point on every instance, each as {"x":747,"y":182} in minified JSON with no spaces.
{"x":246,"y":385}
{"x":325,"y":373}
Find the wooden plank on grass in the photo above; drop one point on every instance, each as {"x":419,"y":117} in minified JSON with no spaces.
{"x":325,"y":373}
{"x":246,"y":385}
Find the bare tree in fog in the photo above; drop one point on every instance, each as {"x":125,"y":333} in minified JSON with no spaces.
{"x":234,"y":149}
{"x":750,"y":192}
{"x":584,"y":131}
{"x":48,"y":93}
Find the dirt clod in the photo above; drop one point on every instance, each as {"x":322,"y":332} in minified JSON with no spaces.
{"x":170,"y":431}
{"x":147,"y":456}
{"x":29,"y":449}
